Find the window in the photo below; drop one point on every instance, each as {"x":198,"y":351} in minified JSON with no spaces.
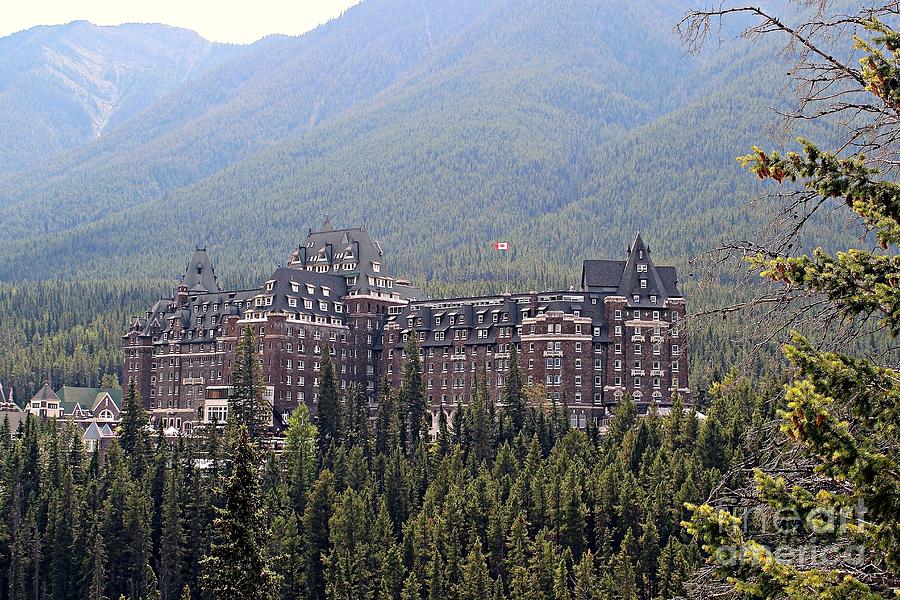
{"x":643,"y":284}
{"x":618,"y":348}
{"x":637,"y":348}
{"x":618,"y":314}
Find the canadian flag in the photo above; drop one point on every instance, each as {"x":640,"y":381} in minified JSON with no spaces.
{"x":501,"y":245}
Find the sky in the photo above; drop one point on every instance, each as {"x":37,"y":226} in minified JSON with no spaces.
{"x":234,"y":21}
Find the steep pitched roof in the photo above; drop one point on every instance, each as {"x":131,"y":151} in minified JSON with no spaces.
{"x":45,"y":393}
{"x":637,"y":276}
{"x":199,"y":275}
{"x":86,"y":398}
{"x":602,"y":273}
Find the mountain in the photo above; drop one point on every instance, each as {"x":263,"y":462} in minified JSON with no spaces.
{"x":436,"y":124}
{"x":64,"y":86}
{"x":439,"y":126}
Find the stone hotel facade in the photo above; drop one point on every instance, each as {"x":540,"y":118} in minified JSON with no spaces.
{"x":620,"y":334}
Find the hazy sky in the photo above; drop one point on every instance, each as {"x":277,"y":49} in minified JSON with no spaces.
{"x":239,"y":21}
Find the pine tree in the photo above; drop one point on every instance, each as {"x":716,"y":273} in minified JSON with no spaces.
{"x":513,"y":398}
{"x":247,"y":403}
{"x":172,"y":541}
{"x":132,"y":432}
{"x":412,"y":393}
{"x":476,"y":582}
{"x":235,"y":568}
{"x":586,"y":585}
{"x":300,"y":457}
{"x":478,"y":425}
{"x":98,"y":583}
{"x":841,"y":411}
{"x":387,"y":421}
{"x":411,"y":587}
{"x":328,"y":410}
{"x":318,"y":511}
{"x":443,"y":440}
{"x":358,"y":423}
{"x":561,"y":581}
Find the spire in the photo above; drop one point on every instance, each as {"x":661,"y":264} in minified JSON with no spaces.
{"x":640,"y":277}
{"x":200,"y":276}
{"x":638,"y":244}
{"x":326,"y":226}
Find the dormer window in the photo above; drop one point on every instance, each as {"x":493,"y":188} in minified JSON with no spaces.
{"x":310,"y":289}
{"x":643,"y":284}
{"x":376,"y":267}
{"x":642,"y":268}
{"x":325,"y":290}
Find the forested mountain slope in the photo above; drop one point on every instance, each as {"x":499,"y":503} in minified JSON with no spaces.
{"x":63,"y":86}
{"x":268,"y":92}
{"x":426,"y":121}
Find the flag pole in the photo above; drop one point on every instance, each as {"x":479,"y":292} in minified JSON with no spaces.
{"x":508,"y":260}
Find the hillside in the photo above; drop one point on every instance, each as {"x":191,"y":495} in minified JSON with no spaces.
{"x":405,"y":116}
{"x":64,"y":86}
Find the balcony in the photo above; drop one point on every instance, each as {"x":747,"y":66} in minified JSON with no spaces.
{"x":193,"y":381}
{"x":457,"y":357}
{"x":637,"y":372}
{"x":637,"y":338}
{"x":656,"y":373}
{"x":553,"y":353}
{"x":655,"y":338}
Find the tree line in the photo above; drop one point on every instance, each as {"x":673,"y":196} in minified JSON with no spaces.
{"x":506,"y":501}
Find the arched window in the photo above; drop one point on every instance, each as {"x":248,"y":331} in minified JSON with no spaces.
{"x":105,"y":415}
